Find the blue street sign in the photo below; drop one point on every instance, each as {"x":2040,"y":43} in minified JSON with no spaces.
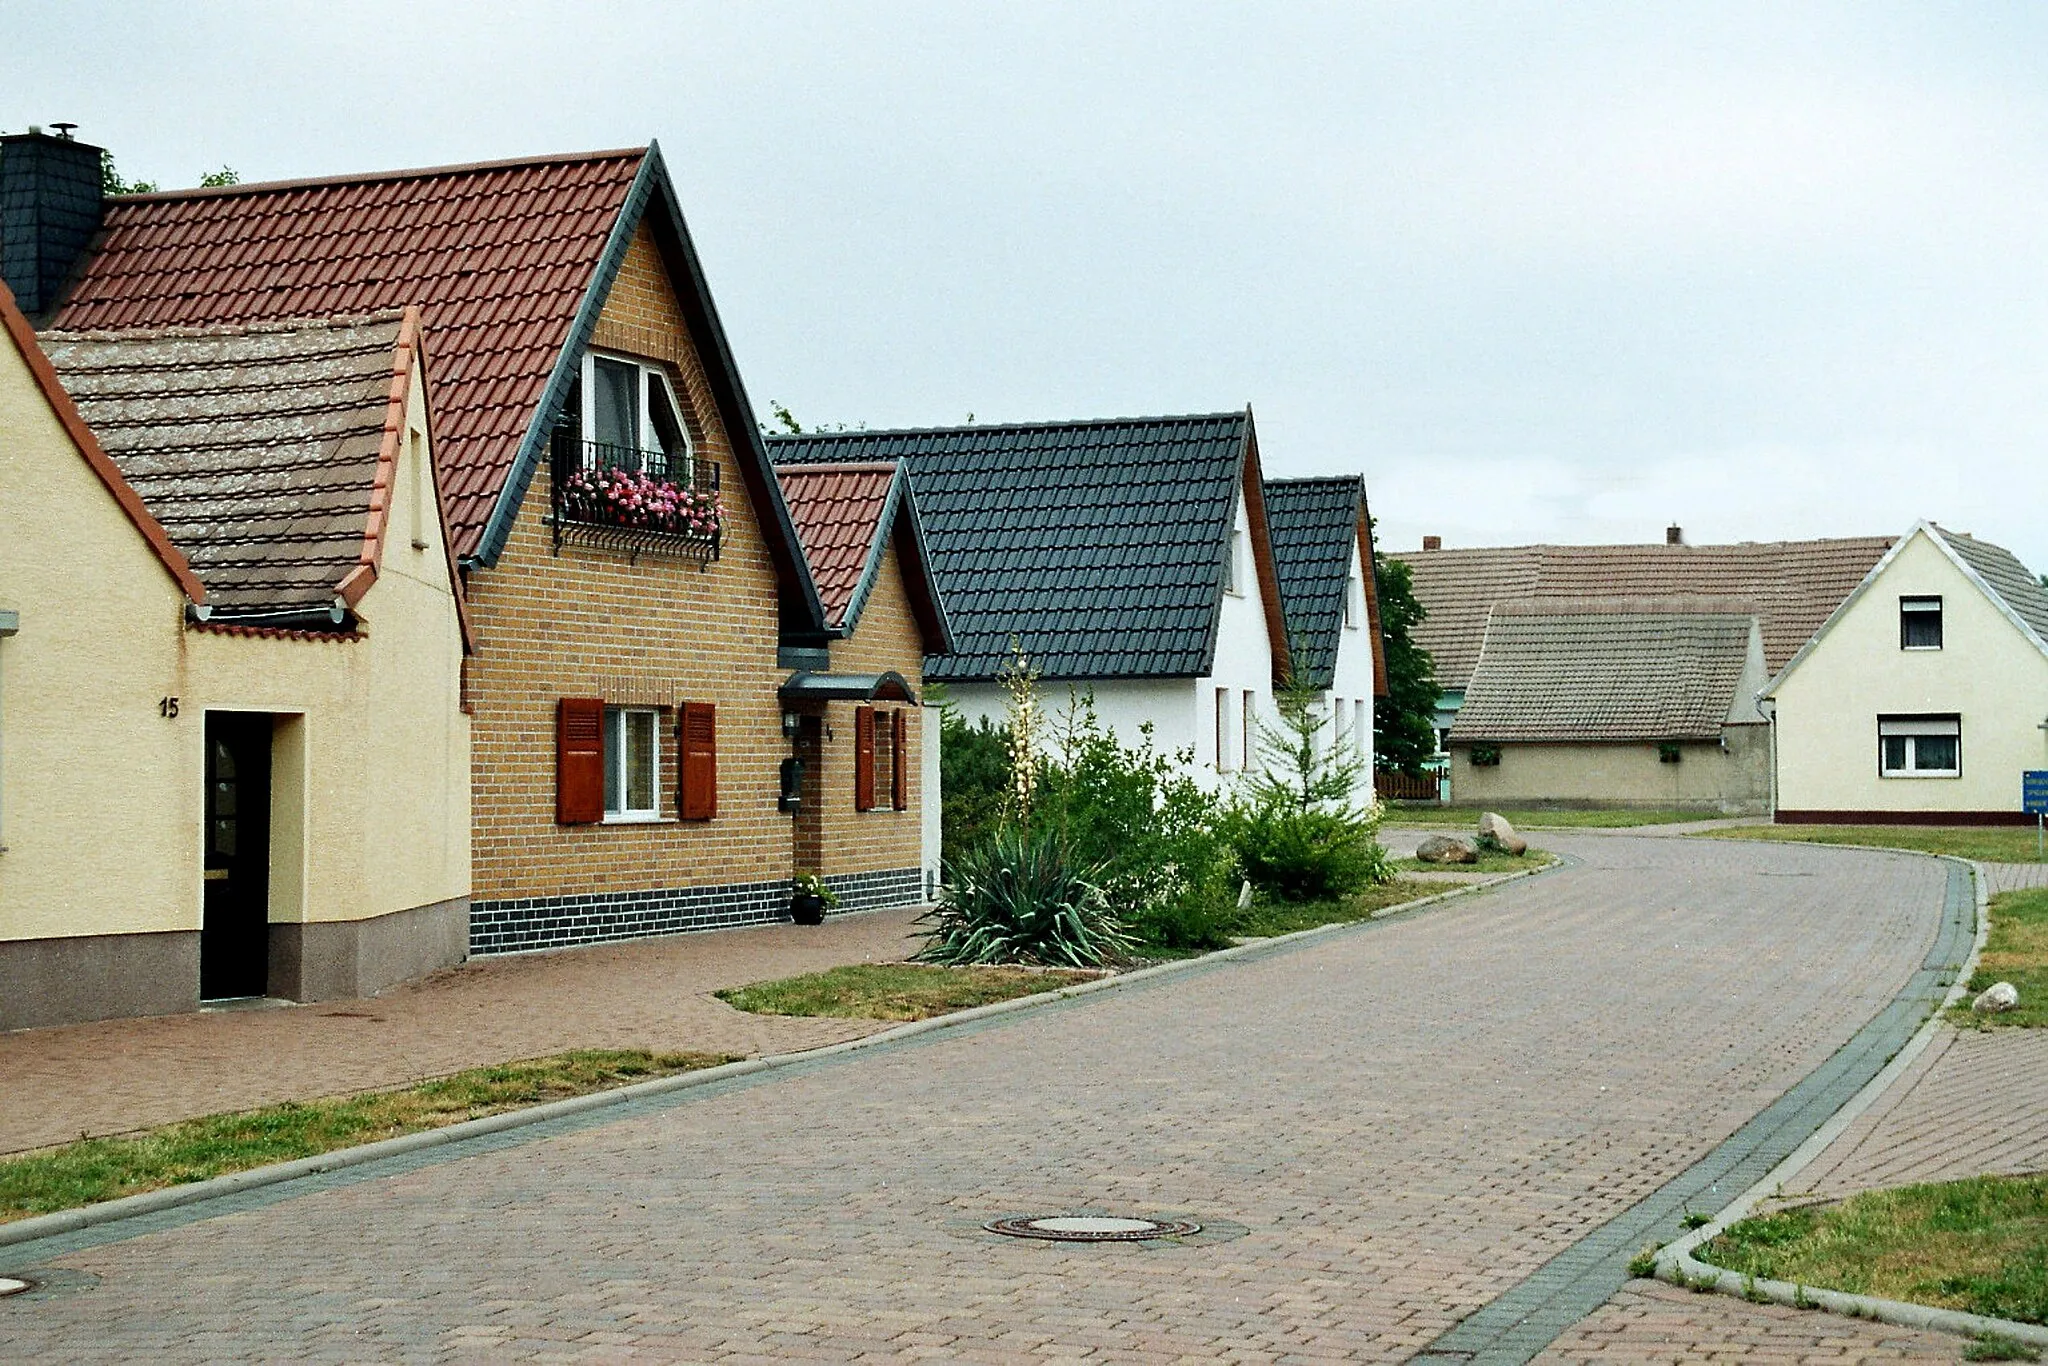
{"x":2034,"y":791}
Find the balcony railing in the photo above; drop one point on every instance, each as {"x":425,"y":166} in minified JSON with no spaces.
{"x":634,"y":500}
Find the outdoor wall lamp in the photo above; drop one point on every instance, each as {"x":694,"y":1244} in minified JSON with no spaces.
{"x":791,"y":722}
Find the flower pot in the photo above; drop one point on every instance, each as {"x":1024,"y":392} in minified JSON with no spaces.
{"x":807,"y":908}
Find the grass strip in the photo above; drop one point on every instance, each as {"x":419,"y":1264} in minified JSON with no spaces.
{"x":1265,"y":919}
{"x":2015,"y":951}
{"x":895,"y":991}
{"x":1979,"y":1245}
{"x":1488,"y":863}
{"x":1990,"y":843}
{"x":95,"y":1169}
{"x":1398,"y":816}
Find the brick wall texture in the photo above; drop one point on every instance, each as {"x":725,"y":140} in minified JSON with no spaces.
{"x":596,"y":622}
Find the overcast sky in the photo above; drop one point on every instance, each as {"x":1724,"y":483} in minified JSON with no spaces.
{"x":1559,"y":272}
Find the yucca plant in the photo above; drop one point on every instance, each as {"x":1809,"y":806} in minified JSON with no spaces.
{"x":1018,"y":899}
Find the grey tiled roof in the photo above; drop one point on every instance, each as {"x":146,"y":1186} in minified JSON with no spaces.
{"x":255,"y":446}
{"x":2006,"y":576}
{"x":1578,"y":674}
{"x":1098,"y":546}
{"x":1314,"y":525}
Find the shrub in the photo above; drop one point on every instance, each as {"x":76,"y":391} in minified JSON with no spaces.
{"x":1018,"y":898}
{"x":974,"y":780}
{"x":1309,"y":854}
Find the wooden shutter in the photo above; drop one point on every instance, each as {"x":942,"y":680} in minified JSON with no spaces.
{"x":864,"y":759}
{"x":899,"y":766}
{"x":579,"y":760}
{"x":697,"y":742}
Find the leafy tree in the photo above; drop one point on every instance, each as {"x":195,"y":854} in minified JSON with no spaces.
{"x":1404,"y":721}
{"x":974,"y":781}
{"x":221,"y":179}
{"x":111,"y":183}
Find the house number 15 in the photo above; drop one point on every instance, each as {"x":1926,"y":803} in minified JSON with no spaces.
{"x":167,"y":708}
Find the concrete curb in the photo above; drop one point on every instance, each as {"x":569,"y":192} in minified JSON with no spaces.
{"x":42,"y":1226}
{"x":1676,"y":1264}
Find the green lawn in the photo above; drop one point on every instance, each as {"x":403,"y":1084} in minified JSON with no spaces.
{"x":894,"y":991}
{"x":2015,"y":951}
{"x":1264,"y":918}
{"x":1488,"y":863}
{"x":96,"y":1169}
{"x":1991,"y":843}
{"x":1979,"y":1245}
{"x":1468,"y":816}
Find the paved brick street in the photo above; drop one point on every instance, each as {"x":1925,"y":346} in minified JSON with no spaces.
{"x":1382,"y":1130}
{"x":125,"y":1074}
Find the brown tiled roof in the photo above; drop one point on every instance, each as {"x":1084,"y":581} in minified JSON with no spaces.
{"x":1582,"y":674}
{"x":1790,"y":586}
{"x":496,"y":256}
{"x":838,"y":513}
{"x":257,"y":447}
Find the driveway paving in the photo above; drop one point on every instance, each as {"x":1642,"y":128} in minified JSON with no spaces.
{"x":1381,"y":1130}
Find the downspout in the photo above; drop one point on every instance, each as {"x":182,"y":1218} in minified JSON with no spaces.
{"x":1769,"y":707}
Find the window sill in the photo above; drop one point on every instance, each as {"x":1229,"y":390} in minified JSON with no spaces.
{"x":1920,"y":649}
{"x":651,"y":818}
{"x":1938,"y":773}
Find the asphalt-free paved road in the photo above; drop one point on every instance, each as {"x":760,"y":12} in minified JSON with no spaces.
{"x":1383,"y":1130}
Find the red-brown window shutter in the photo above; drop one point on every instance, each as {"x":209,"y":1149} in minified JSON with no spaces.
{"x":579,"y":760}
{"x":697,"y":740}
{"x":899,"y":767}
{"x":864,"y":759}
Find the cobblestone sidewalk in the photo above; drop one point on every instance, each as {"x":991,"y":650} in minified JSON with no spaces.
{"x":118,"y":1075}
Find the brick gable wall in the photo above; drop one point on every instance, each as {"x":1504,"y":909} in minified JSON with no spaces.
{"x":593,"y":622}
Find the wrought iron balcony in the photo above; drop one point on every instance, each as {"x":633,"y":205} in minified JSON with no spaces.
{"x":634,"y":500}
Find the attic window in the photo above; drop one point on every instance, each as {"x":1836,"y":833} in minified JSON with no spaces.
{"x":1233,"y":566}
{"x":1919,"y":623}
{"x":630,"y":411}
{"x":1354,"y":602}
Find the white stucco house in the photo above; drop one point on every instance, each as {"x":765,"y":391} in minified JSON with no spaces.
{"x":1923,"y":697}
{"x":1133,"y":559}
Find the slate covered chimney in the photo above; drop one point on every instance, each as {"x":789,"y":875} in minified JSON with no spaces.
{"x":49,"y":211}
{"x":1674,"y":535}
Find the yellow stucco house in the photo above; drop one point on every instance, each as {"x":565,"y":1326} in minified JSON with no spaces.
{"x":1924,"y":697}
{"x":234,"y":759}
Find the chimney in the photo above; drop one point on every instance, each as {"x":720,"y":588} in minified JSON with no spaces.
{"x":1674,"y":535}
{"x":1432,"y":543}
{"x":49,"y":211}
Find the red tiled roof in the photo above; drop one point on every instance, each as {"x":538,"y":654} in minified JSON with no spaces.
{"x":1791,"y":586}
{"x":838,"y":514}
{"x":497,"y":257}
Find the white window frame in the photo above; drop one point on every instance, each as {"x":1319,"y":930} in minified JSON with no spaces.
{"x":1359,"y":731}
{"x":1911,"y":730}
{"x":644,"y":438}
{"x":1354,"y":602}
{"x":1223,"y":745}
{"x":1249,"y":726}
{"x":422,"y":487}
{"x":1233,"y":572}
{"x":1924,"y":605}
{"x":615,"y":758}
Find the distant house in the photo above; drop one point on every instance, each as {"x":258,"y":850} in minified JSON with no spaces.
{"x":1924,"y":696}
{"x":1323,"y":556}
{"x":234,"y":759}
{"x":1128,"y":558}
{"x":1510,"y":600}
{"x":864,"y":754}
{"x":1620,"y":703}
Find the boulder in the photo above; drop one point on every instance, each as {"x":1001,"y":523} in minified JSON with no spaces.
{"x":1495,"y":833}
{"x":1444,"y":849}
{"x":2000,"y":996}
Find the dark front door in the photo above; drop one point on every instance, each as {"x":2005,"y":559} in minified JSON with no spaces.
{"x":234,"y":939}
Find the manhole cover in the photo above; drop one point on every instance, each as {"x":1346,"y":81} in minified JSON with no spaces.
{"x":1091,"y":1228}
{"x":10,"y":1286}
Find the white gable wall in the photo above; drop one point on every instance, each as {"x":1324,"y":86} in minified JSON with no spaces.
{"x":1351,"y":681}
{"x":1987,"y":672}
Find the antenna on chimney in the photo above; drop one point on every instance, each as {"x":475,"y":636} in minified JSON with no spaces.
{"x":64,"y":130}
